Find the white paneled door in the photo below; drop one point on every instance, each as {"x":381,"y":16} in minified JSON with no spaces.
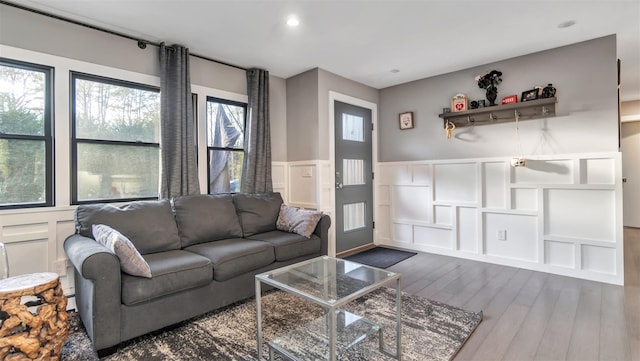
{"x":354,"y":176}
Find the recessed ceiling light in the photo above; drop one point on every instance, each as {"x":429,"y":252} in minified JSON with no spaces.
{"x":293,"y":21}
{"x":566,"y":24}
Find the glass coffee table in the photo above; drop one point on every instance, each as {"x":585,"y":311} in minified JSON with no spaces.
{"x":330,"y":283}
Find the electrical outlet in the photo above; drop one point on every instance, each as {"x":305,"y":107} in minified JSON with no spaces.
{"x":502,"y":235}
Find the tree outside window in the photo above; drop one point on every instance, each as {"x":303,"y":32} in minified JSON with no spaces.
{"x":116,"y":132}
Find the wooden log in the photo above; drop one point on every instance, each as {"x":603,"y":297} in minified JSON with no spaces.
{"x":32,"y":336}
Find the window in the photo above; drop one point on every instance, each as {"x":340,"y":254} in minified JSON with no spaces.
{"x":26,"y":141}
{"x":116,"y":140}
{"x":225,"y":144}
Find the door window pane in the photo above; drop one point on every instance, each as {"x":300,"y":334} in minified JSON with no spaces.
{"x":352,"y":127}
{"x":354,"y":216}
{"x":353,"y":170}
{"x":107,"y":171}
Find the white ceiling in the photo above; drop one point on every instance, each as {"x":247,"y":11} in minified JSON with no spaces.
{"x":364,"y":40}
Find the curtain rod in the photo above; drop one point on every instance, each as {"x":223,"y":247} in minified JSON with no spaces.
{"x":142,"y":44}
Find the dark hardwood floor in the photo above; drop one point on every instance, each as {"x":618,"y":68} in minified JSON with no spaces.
{"x":531,"y":315}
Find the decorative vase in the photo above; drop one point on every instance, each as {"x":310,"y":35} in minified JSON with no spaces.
{"x":492,"y":94}
{"x":549,"y":91}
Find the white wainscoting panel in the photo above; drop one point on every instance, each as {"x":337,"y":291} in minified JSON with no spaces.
{"x":34,"y":239}
{"x":599,"y":259}
{"x":539,"y":171}
{"x":279,"y":178}
{"x":456,"y":182}
{"x":494,"y":184}
{"x":412,"y":203}
{"x":581,"y":213}
{"x":303,"y":184}
{"x":468,"y":229}
{"x":521,"y":236}
{"x":561,"y":254}
{"x":433,"y":237}
{"x":524,"y":199}
{"x":443,"y":215}
{"x":597,"y":171}
{"x":559,"y":213}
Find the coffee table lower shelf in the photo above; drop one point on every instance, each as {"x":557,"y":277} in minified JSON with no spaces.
{"x":311,"y":341}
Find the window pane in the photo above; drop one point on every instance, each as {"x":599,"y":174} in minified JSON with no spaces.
{"x":116,"y":112}
{"x":108,"y":171}
{"x":353,"y":170}
{"x":354,"y":217}
{"x":225,"y":125}
{"x":352,"y":127}
{"x":225,"y":171}
{"x":22,"y":171}
{"x":22,"y":101}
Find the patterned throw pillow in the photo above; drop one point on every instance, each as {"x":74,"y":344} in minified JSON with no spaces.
{"x":131,"y":261}
{"x":297,"y":220}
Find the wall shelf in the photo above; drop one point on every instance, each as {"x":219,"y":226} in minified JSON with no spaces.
{"x":533,"y":109}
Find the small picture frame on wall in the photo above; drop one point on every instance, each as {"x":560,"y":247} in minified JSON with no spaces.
{"x":406,"y":120}
{"x":529,"y":95}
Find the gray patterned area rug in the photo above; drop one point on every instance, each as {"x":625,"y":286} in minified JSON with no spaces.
{"x":430,"y":330}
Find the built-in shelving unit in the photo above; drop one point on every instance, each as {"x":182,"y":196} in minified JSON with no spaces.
{"x":533,"y":109}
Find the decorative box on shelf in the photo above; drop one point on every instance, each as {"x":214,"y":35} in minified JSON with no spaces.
{"x":511,"y":99}
{"x":534,"y":109}
{"x":459,"y":103}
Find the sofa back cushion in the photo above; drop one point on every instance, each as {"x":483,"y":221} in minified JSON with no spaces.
{"x":149,"y":225}
{"x":204,"y":218}
{"x":257,"y":212}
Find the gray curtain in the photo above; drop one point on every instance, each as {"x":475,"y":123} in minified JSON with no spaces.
{"x":178,"y":145}
{"x":256,"y":170}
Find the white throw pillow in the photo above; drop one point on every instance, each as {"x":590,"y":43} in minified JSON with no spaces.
{"x":297,"y":220}
{"x":131,"y":261}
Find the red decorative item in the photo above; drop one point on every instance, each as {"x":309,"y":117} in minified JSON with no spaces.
{"x":510,"y":99}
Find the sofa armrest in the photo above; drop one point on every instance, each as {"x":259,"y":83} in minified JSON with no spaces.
{"x":97,"y":289}
{"x":322,"y":231}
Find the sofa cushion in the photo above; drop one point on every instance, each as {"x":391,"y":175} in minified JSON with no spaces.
{"x":297,"y":220}
{"x":131,"y":261}
{"x":233,"y":257}
{"x":204,"y":218}
{"x":258,"y":212}
{"x":149,"y":225}
{"x":290,"y":245}
{"x":173,"y":271}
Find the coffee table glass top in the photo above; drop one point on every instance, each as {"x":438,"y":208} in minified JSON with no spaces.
{"x":328,"y":281}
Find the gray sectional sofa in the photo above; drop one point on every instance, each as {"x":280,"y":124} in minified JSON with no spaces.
{"x":203,"y":252}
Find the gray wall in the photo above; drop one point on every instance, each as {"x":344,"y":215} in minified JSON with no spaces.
{"x":302,"y":116}
{"x":584,"y":75}
{"x":308,"y":111}
{"x":26,"y":30}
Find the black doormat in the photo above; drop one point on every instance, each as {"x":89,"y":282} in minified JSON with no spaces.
{"x":380,"y":257}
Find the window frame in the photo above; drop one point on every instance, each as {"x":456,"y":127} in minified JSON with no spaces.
{"x":47,"y":137}
{"x":73,"y":75}
{"x":211,"y":148}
